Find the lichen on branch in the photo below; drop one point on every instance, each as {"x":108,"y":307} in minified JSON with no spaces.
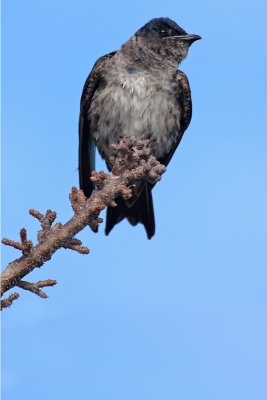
{"x":132,"y":161}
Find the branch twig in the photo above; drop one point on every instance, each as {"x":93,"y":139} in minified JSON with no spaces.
{"x":9,"y":300}
{"x":132,"y":162}
{"x":35,"y":287}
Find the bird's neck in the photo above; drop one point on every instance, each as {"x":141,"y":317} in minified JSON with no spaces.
{"x":138,"y":55}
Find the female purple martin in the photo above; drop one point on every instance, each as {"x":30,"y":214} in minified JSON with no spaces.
{"x":138,"y":92}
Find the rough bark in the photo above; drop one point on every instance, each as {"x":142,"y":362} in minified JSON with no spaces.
{"x":132,"y":162}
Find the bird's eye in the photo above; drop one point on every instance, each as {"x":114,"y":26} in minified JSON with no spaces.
{"x":163,"y":32}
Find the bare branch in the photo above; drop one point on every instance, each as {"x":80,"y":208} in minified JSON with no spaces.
{"x":46,"y":220}
{"x":9,"y":300}
{"x":16,"y":245}
{"x":76,"y":245}
{"x":77,"y":199}
{"x":132,"y":162}
{"x":35,"y":287}
{"x":25,"y":245}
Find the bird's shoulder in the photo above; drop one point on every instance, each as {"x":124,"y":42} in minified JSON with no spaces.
{"x":183,"y":94}
{"x":94,"y":78}
{"x":183,"y":82}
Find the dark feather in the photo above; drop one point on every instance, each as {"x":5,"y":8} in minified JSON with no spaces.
{"x":86,"y":144}
{"x":183,"y":96}
{"x":141,"y":211}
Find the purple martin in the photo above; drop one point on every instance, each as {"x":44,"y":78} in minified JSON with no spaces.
{"x":137,"y":91}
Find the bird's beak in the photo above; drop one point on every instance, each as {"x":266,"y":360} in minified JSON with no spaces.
{"x":188,"y":37}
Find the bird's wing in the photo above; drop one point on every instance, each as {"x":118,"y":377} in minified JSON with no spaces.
{"x":184,"y":102}
{"x":86,"y":143}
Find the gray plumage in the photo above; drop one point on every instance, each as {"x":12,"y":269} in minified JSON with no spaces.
{"x":136,"y":92}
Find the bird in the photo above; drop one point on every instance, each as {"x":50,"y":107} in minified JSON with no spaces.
{"x":137,"y":91}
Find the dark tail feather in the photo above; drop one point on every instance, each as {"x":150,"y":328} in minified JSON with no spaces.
{"x":86,"y":156}
{"x":142,"y":211}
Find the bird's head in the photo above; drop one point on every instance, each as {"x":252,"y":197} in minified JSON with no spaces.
{"x":167,"y":39}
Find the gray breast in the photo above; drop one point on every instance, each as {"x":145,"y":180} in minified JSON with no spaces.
{"x":135,"y":105}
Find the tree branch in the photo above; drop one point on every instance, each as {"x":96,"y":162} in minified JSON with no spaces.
{"x":9,"y":300}
{"x":35,"y":287}
{"x":132,"y":162}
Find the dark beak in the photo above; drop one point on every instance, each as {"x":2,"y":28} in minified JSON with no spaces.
{"x":189,"y":38}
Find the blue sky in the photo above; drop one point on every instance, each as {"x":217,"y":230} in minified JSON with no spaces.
{"x":182,"y":316}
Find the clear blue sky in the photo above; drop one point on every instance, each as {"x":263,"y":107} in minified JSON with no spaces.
{"x":182,"y":316}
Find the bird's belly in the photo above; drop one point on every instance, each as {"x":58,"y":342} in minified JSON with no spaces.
{"x":120,"y":111}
